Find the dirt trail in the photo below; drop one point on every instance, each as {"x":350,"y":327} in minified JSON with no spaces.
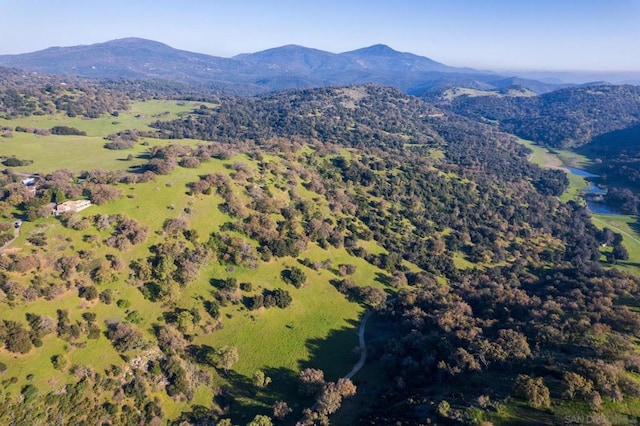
{"x":363,"y":347}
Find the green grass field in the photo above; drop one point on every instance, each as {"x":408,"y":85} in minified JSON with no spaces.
{"x":77,"y":153}
{"x":627,"y":226}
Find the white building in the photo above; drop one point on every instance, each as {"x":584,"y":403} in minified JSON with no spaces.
{"x":71,"y":206}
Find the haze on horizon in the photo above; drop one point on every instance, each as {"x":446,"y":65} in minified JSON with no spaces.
{"x":554,"y":35}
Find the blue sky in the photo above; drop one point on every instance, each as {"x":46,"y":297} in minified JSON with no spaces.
{"x":488,"y":34}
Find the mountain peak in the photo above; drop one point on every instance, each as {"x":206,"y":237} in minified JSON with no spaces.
{"x":378,"y":48}
{"x":383,"y":57}
{"x":135,"y":43}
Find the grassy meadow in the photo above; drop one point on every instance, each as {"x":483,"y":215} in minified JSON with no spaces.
{"x":628,"y":227}
{"x":77,"y":153}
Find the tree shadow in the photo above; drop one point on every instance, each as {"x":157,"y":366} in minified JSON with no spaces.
{"x":151,"y":291}
{"x":635,"y":225}
{"x":626,"y":263}
{"x":382,"y":279}
{"x":200,"y":353}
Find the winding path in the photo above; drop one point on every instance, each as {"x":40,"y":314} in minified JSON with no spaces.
{"x":363,"y":347}
{"x":363,"y":354}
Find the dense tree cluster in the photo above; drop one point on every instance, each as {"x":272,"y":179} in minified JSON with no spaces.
{"x":509,"y":320}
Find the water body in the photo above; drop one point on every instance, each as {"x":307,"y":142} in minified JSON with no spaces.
{"x":594,"y":189}
{"x":603,"y":208}
{"x":594,"y":195}
{"x":579,"y":172}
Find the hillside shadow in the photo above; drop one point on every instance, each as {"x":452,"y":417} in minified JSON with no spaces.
{"x":335,"y":354}
{"x":614,"y":143}
{"x":242,"y":400}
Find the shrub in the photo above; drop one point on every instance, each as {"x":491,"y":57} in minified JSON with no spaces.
{"x":106,"y":296}
{"x":60,"y":362}
{"x":15,"y":162}
{"x":123,"y":303}
{"x":119,"y":144}
{"x":28,"y":393}
{"x":294,"y":276}
{"x":67,"y":130}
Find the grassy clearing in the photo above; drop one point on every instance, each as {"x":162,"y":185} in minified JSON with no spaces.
{"x":77,"y":153}
{"x":457,"y":92}
{"x":577,"y":184}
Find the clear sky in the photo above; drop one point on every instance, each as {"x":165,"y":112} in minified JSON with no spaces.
{"x":487,"y":34}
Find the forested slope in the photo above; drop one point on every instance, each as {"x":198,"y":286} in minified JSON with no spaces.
{"x":564,"y":118}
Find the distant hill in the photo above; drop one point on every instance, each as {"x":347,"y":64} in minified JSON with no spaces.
{"x":134,"y":58}
{"x":273,"y":69}
{"x":566,"y":118}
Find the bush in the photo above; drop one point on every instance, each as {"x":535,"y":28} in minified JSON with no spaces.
{"x":213,"y":308}
{"x":123,"y":303}
{"x":14,"y":162}
{"x":119,"y":144}
{"x":106,"y":296}
{"x":88,"y":292}
{"x":294,"y":276}
{"x":255,"y":302}
{"x":67,"y":130}
{"x":60,"y":362}
{"x":28,"y":393}
{"x":282,"y":298}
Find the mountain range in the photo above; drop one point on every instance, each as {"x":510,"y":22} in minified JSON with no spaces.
{"x":279,"y":68}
